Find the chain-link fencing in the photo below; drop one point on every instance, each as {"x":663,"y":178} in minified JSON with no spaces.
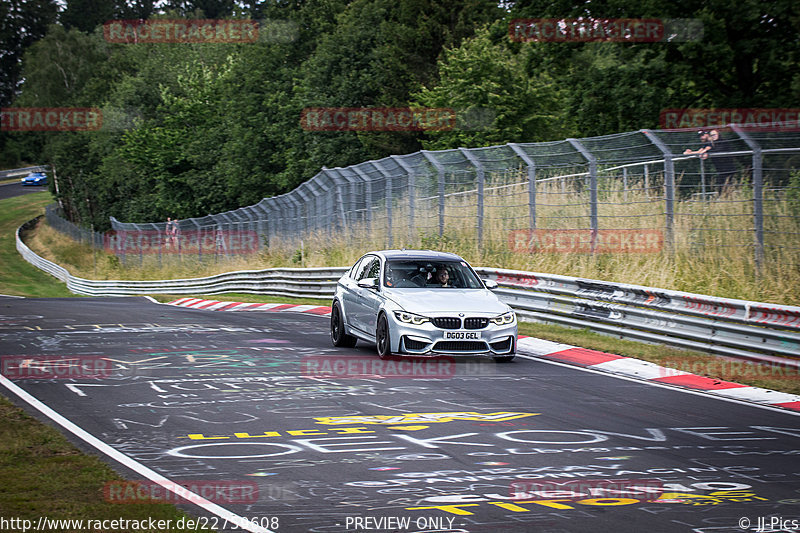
{"x":629,"y":192}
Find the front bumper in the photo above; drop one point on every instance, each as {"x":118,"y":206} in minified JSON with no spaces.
{"x":428,"y":339}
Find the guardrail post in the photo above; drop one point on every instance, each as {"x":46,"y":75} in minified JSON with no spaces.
{"x":389,"y":199}
{"x":481,"y":176}
{"x":669,"y":188}
{"x":411,"y":194}
{"x":592,"y":188}
{"x":758,"y":194}
{"x":440,"y":172}
{"x":531,"y":165}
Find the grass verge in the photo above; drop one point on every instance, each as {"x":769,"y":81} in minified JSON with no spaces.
{"x":18,"y":277}
{"x":44,"y":475}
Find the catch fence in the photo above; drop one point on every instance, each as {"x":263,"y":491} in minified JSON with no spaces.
{"x":622,"y":193}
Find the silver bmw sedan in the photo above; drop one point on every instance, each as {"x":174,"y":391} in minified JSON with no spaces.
{"x":417,"y":302}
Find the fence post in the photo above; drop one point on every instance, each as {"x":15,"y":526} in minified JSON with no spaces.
{"x":278,"y":222}
{"x":758,"y":195}
{"x":702,"y":178}
{"x":338,"y":200}
{"x":481,"y":175}
{"x":389,"y":199}
{"x":669,"y":186}
{"x":297,"y":208}
{"x":199,"y":239}
{"x":440,"y":172}
{"x":412,"y":190}
{"x":592,"y":187}
{"x":625,"y":184}
{"x":531,"y":164}
{"x":367,"y":198}
{"x":305,"y":207}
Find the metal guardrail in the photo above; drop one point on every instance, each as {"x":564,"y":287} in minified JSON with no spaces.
{"x":722,"y":326}
{"x":290,"y":282}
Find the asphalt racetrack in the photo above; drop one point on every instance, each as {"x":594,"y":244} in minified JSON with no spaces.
{"x":10,"y":190}
{"x":257,"y":413}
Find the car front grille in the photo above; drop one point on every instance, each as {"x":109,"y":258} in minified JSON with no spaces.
{"x":475,"y":323}
{"x":460,"y":346}
{"x":446,"y":322}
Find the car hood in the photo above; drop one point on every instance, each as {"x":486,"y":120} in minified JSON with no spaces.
{"x":426,"y":301}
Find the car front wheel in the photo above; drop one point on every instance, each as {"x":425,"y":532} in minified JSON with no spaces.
{"x":338,"y":335}
{"x":382,"y":339}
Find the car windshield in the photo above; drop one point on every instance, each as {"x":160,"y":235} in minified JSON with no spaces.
{"x":430,"y":274}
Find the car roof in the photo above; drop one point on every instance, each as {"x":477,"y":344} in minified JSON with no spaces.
{"x":429,"y":255}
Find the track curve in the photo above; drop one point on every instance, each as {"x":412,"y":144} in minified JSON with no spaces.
{"x":336,"y":440}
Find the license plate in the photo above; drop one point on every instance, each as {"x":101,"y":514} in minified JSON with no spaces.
{"x":462,"y":335}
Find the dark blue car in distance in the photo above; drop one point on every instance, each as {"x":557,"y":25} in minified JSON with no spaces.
{"x":35,"y":178}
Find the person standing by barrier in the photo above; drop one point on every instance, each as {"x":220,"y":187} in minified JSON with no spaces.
{"x":723,"y":165}
{"x":172,"y":234}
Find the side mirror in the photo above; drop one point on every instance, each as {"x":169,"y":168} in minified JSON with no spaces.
{"x":369,"y":283}
{"x":490,"y":284}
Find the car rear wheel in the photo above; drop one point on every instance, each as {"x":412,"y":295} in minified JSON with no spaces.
{"x":382,"y":339}
{"x":338,"y":335}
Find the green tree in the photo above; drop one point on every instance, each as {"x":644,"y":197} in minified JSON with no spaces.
{"x":486,"y":83}
{"x":380,"y":51}
{"x":22,"y":23}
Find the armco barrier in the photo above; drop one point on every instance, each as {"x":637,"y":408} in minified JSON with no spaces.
{"x":21,"y":171}
{"x":722,"y":326}
{"x":290,"y":282}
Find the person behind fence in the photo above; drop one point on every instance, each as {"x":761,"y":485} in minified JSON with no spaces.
{"x":712,"y":145}
{"x":172,"y":233}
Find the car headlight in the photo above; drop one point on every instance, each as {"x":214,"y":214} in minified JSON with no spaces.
{"x":502,"y":320}
{"x":411,"y":318}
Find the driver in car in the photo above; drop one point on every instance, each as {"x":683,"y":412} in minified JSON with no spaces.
{"x":443,"y":277}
